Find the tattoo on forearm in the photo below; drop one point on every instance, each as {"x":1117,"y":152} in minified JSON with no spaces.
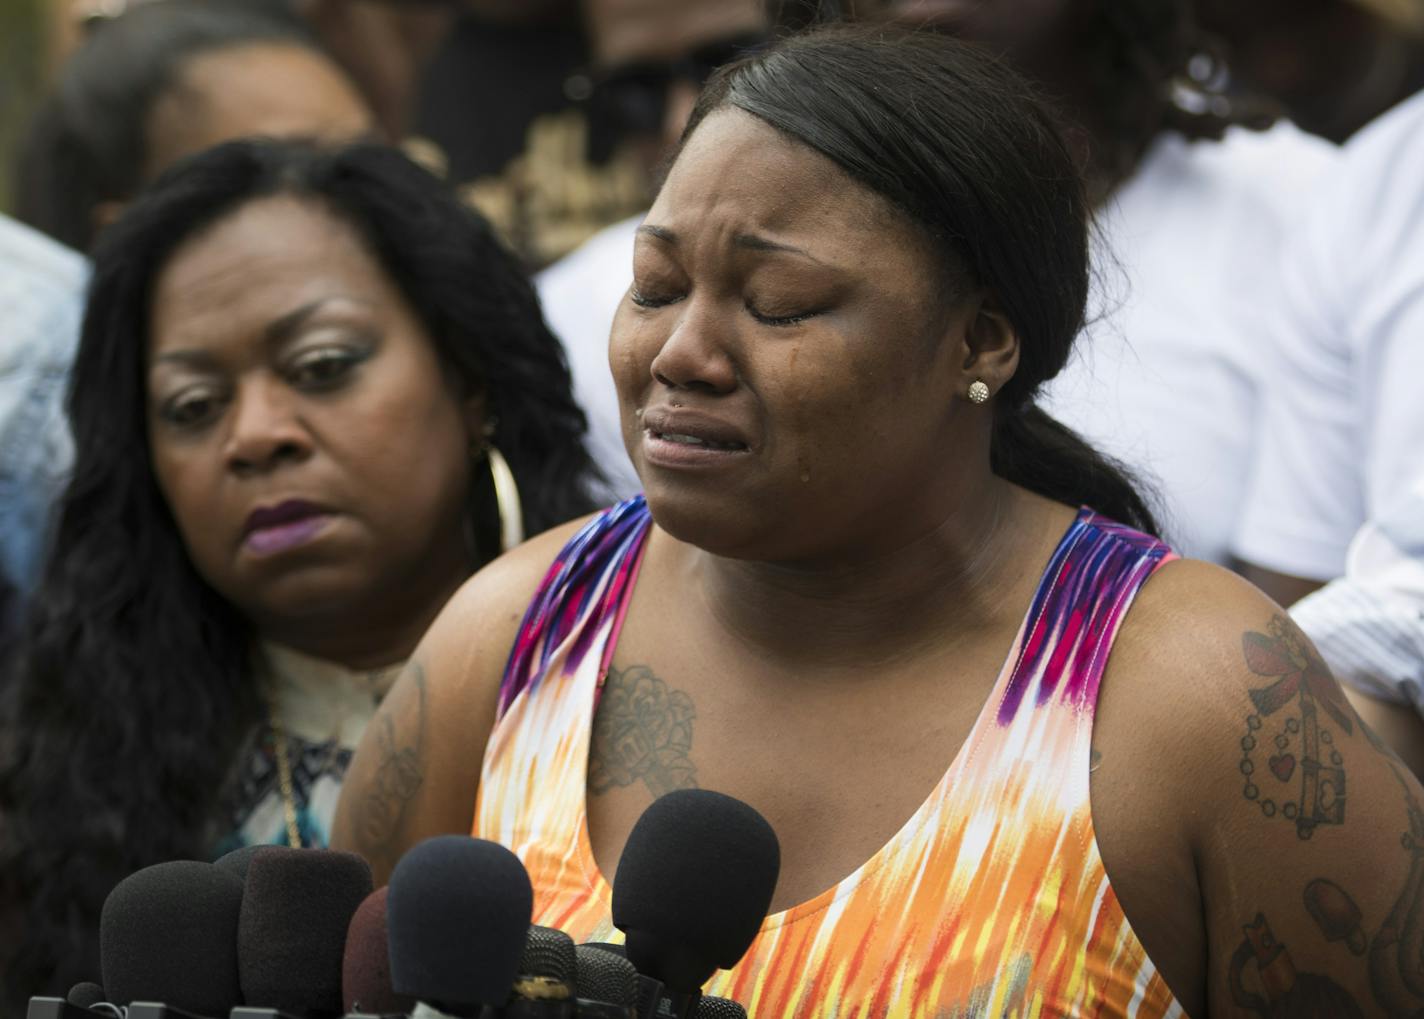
{"x":399,"y":772}
{"x":1303,"y":778}
{"x":643,"y":732}
{"x":1262,"y":978}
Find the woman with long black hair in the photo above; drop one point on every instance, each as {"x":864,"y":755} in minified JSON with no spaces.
{"x":313,"y":394}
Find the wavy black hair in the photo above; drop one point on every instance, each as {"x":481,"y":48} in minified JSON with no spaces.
{"x":957,"y":142}
{"x":132,"y":690}
{"x":88,"y":142}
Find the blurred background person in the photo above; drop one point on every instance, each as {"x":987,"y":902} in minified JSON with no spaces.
{"x":502,"y":104}
{"x":1192,"y":210}
{"x":1332,"y":66}
{"x":163,"y":80}
{"x":41,"y":300}
{"x":159,"y":82}
{"x":1344,"y":426}
{"x":547,"y":114}
{"x":313,"y":394}
{"x":23,"y":65}
{"x":1335,"y":495}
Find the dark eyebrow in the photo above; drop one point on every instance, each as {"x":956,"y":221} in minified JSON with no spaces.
{"x":749,"y":242}
{"x":752,"y":242}
{"x":276,"y":333}
{"x":662,"y":233}
{"x":282,"y":329}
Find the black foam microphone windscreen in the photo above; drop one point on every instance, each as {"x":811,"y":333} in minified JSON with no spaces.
{"x":169,"y":933}
{"x":291,"y":935}
{"x":236,"y":862}
{"x":693,"y":885}
{"x":366,"y":963}
{"x":458,"y":912}
{"x":85,"y":994}
{"x":605,"y":976}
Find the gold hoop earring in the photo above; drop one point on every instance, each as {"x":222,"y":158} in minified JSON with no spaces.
{"x":506,"y":497}
{"x":978,"y":391}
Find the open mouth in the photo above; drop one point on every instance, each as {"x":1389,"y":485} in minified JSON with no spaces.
{"x":681,"y":439}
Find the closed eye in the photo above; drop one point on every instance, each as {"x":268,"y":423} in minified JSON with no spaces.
{"x":650,"y":301}
{"x":780,"y":320}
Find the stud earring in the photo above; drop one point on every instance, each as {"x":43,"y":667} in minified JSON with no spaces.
{"x":978,"y":391}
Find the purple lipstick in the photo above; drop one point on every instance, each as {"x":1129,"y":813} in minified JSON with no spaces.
{"x":289,"y":524}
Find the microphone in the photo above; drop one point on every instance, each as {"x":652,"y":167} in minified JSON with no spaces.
{"x":458,"y":912}
{"x":605,"y":982}
{"x":692,"y":887}
{"x":606,"y":976}
{"x":237,"y":861}
{"x":366,"y":962}
{"x":544,"y":987}
{"x":168,"y":940}
{"x":291,"y":934}
{"x":85,"y":994}
{"x":709,"y":1007}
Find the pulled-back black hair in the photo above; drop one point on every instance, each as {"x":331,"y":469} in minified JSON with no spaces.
{"x":957,"y":142}
{"x":133,"y":688}
{"x":88,"y":141}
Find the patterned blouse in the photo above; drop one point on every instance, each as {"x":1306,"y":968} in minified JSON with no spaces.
{"x":321,"y":708}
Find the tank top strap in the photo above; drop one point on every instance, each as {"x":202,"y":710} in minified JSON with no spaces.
{"x":585,"y":588}
{"x":1076,"y":613}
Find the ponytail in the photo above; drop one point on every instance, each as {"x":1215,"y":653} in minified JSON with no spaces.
{"x":1032,"y":449}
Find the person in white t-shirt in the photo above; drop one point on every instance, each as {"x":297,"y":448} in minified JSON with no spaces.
{"x":1343,"y":428}
{"x":1338,"y":491}
{"x":1165,"y":384}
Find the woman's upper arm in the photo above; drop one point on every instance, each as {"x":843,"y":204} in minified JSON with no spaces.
{"x":1306,"y":831}
{"x":416,"y":771}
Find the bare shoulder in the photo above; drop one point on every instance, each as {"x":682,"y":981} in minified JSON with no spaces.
{"x":1190,"y":608}
{"x":1199,"y":647}
{"x":483,"y":617}
{"x":1234,"y":765}
{"x":416,"y":771}
{"x":462,"y":656}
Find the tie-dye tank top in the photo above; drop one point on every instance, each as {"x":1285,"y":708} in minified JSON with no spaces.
{"x":990,"y":902}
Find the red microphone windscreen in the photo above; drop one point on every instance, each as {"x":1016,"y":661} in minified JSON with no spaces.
{"x":366,"y":964}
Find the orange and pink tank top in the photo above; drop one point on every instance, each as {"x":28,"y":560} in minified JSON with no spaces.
{"x":990,"y":902}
